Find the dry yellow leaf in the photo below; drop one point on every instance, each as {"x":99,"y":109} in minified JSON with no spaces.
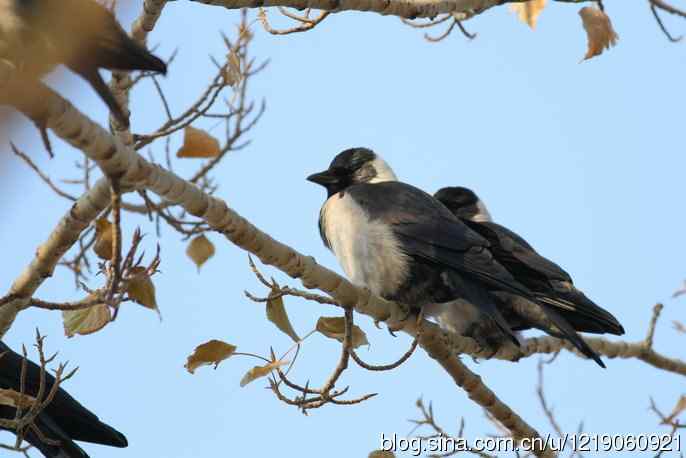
{"x":104,"y":233}
{"x":678,"y":408}
{"x":599,"y":30}
{"x":141,"y":288}
{"x":85,"y":321}
{"x":276,"y":313}
{"x":13,"y":398}
{"x":198,"y":143}
{"x":232,"y":72}
{"x":381,"y":454}
{"x":334,"y":327}
{"x":260,"y":371}
{"x":212,"y":352}
{"x":200,"y":250}
{"x":528,"y":12}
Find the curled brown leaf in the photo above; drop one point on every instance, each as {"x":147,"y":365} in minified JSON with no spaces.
{"x":261,"y":371}
{"x":334,"y":328}
{"x":211,"y":352}
{"x":601,"y":35}
{"x":86,"y":321}
{"x":198,"y":143}
{"x":104,"y":235}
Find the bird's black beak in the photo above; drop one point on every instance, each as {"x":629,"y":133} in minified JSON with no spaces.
{"x":323,"y":178}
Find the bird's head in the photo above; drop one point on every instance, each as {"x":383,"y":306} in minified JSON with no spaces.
{"x":353,"y":166}
{"x":464,"y":203}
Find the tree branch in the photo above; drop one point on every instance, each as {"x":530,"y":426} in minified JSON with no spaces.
{"x":65,"y":234}
{"x":408,"y":9}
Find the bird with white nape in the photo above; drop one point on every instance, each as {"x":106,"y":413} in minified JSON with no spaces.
{"x":406,"y":246}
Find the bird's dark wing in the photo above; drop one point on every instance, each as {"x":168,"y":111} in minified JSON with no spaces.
{"x":430,"y":233}
{"x":551,"y":284}
{"x":519,"y":254}
{"x":73,"y":419}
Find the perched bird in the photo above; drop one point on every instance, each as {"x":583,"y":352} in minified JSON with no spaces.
{"x":37,"y":35}
{"x":63,"y":420}
{"x":405,"y":246}
{"x":566,"y":309}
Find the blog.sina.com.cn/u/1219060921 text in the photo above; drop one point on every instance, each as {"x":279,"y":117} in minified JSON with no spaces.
{"x":580,"y":442}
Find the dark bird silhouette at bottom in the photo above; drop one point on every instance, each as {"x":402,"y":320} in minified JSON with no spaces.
{"x":64,"y":419}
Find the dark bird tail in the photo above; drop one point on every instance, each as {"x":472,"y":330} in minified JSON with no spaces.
{"x":582,"y":313}
{"x":568,"y":332}
{"x":128,"y":54}
{"x":109,"y":47}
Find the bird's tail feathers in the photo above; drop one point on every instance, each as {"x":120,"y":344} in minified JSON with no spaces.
{"x":121,"y":52}
{"x":583,"y":314}
{"x":560,"y":322}
{"x":570,"y":334}
{"x":97,"y":432}
{"x":486,"y":304}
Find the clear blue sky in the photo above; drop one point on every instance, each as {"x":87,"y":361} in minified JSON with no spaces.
{"x":584,"y":160}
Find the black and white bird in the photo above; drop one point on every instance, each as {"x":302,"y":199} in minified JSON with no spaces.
{"x":64,"y":419}
{"x":405,"y":246}
{"x":566,"y":309}
{"x":37,"y":35}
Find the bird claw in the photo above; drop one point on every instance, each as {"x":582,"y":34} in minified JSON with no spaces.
{"x":483,"y":346}
{"x":490,"y":353}
{"x":397,"y":324}
{"x":42,"y":127}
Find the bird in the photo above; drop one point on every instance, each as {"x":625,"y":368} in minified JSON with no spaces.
{"x":64,"y":419}
{"x":38,"y":35}
{"x":567,"y":310}
{"x":405,"y":246}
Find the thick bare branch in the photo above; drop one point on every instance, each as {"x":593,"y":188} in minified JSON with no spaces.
{"x":143,"y":25}
{"x":65,"y":234}
{"x":408,"y":9}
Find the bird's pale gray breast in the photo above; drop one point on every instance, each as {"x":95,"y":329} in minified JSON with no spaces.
{"x":367,"y":250}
